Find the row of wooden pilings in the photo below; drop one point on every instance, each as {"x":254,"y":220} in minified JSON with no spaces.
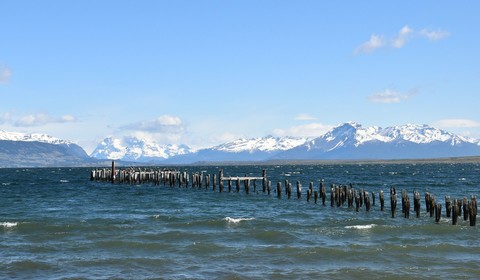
{"x":339,"y":194}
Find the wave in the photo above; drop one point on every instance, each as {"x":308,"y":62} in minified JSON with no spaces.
{"x":361,"y":226}
{"x":237,"y":220}
{"x":64,"y":181}
{"x":8,"y":224}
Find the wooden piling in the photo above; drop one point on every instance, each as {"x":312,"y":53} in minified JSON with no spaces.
{"x":448,"y":206}
{"x":279,"y":190}
{"x":113,"y":172}
{"x":438,"y":212}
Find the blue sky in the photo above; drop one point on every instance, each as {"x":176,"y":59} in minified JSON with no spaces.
{"x":206,"y":72}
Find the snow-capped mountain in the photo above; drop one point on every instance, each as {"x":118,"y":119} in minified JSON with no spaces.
{"x":35,"y":150}
{"x":252,"y":149}
{"x":352,"y":141}
{"x":264,"y":144}
{"x":33,"y":137}
{"x":131,"y":148}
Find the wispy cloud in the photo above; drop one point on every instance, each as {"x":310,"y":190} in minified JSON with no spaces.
{"x":369,"y":46}
{"x":399,"y":40}
{"x":403,"y":36}
{"x":434,"y":35}
{"x":305,"y":130}
{"x":162,"y":124}
{"x":41,"y":119}
{"x":5,"y":74}
{"x":304,"y":117}
{"x":457,"y":123}
{"x":390,"y":96}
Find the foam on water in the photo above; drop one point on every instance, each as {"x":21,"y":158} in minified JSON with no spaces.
{"x":237,"y":220}
{"x":8,"y":224}
{"x":361,"y":226}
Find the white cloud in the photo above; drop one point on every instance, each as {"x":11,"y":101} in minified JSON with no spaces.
{"x":5,"y":74}
{"x":41,"y":119}
{"x":374,"y":43}
{"x":457,"y":123}
{"x":162,"y":124}
{"x":402,"y":37}
{"x":304,"y":117}
{"x":390,"y":96}
{"x":305,"y":130}
{"x":405,"y":35}
{"x":434,"y":35}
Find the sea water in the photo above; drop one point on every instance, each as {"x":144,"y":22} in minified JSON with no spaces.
{"x":56,"y":224}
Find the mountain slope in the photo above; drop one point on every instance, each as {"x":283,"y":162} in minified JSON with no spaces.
{"x":352,"y":141}
{"x":37,"y":150}
{"x":136,"y":149}
{"x":253,"y":149}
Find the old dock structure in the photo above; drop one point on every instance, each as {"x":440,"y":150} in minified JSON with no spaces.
{"x":339,"y":194}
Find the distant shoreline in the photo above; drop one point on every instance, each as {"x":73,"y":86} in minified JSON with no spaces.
{"x":472,"y":159}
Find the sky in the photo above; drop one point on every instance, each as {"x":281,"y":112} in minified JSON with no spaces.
{"x":203,"y":73}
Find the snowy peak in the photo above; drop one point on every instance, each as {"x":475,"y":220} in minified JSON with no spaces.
{"x":33,"y":137}
{"x":422,"y":134}
{"x":131,"y":148}
{"x":263,"y":144}
{"x":355,"y":134}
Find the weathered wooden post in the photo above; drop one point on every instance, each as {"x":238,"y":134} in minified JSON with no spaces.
{"x":473,"y":211}
{"x":455,"y":211}
{"x":448,"y":206}
{"x":264,"y":180}
{"x":255,"y":185}
{"x":416,"y":203}
{"x":207,"y":181}
{"x":247,"y":185}
{"x":289,"y":190}
{"x":229,"y":185}
{"x":279,"y":190}
{"x":438,"y":212}
{"x":113,"y":172}
{"x":373,"y":198}
{"x":362,"y":195}
{"x":338,"y":196}
{"x":393,"y":201}
{"x":382,"y":200}
{"x":427,"y":201}
{"x":315,"y":196}
{"x":367,"y":202}
{"x":407,"y":206}
{"x":299,"y":190}
{"x":214,"y":182}
{"x":269,"y":187}
{"x":465,"y":209}
{"x":323,"y":193}
{"x":286,"y":187}
{"x":357,"y":201}
{"x":432,"y":205}
{"x":332,"y":196}
{"x":238,"y":185}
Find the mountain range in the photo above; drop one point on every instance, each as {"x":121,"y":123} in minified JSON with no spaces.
{"x":34,"y":150}
{"x":343,"y":142}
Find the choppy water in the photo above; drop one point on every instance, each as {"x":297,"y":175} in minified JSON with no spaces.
{"x":56,"y":224}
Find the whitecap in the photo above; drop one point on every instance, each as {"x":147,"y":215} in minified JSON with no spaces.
{"x":8,"y":224}
{"x":64,"y":181}
{"x":361,"y":226}
{"x":237,"y":220}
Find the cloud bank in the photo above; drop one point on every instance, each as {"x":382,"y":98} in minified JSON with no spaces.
{"x":42,"y":119}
